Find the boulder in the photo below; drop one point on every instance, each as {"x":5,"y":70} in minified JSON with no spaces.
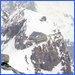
{"x":43,"y":18}
{"x":38,"y":37}
{"x":4,"y":58}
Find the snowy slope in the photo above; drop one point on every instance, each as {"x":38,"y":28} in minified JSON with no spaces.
{"x":61,"y":14}
{"x":17,"y":60}
{"x":17,"y":57}
{"x":55,"y":20}
{"x":34,"y":23}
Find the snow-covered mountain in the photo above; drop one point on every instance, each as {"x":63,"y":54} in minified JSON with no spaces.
{"x":37,"y":44}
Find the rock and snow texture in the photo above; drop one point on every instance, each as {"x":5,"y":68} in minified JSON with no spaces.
{"x":61,"y":13}
{"x":38,"y":42}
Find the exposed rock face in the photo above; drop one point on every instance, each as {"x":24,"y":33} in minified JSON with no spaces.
{"x":19,"y":39}
{"x":38,"y":37}
{"x":12,"y":30}
{"x":66,"y":63}
{"x":45,"y":57}
{"x":43,"y":18}
{"x":5,"y":58}
{"x":35,"y":37}
{"x":41,"y":51}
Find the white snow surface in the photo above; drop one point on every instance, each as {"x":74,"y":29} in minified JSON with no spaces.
{"x":6,"y":72}
{"x":61,"y":14}
{"x":34,"y":23}
{"x":17,"y":58}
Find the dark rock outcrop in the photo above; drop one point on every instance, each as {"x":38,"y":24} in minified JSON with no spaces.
{"x":43,"y":18}
{"x":12,"y":30}
{"x":45,"y":58}
{"x":19,"y":39}
{"x":4,"y":58}
{"x":66,"y":63}
{"x":38,"y":37}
